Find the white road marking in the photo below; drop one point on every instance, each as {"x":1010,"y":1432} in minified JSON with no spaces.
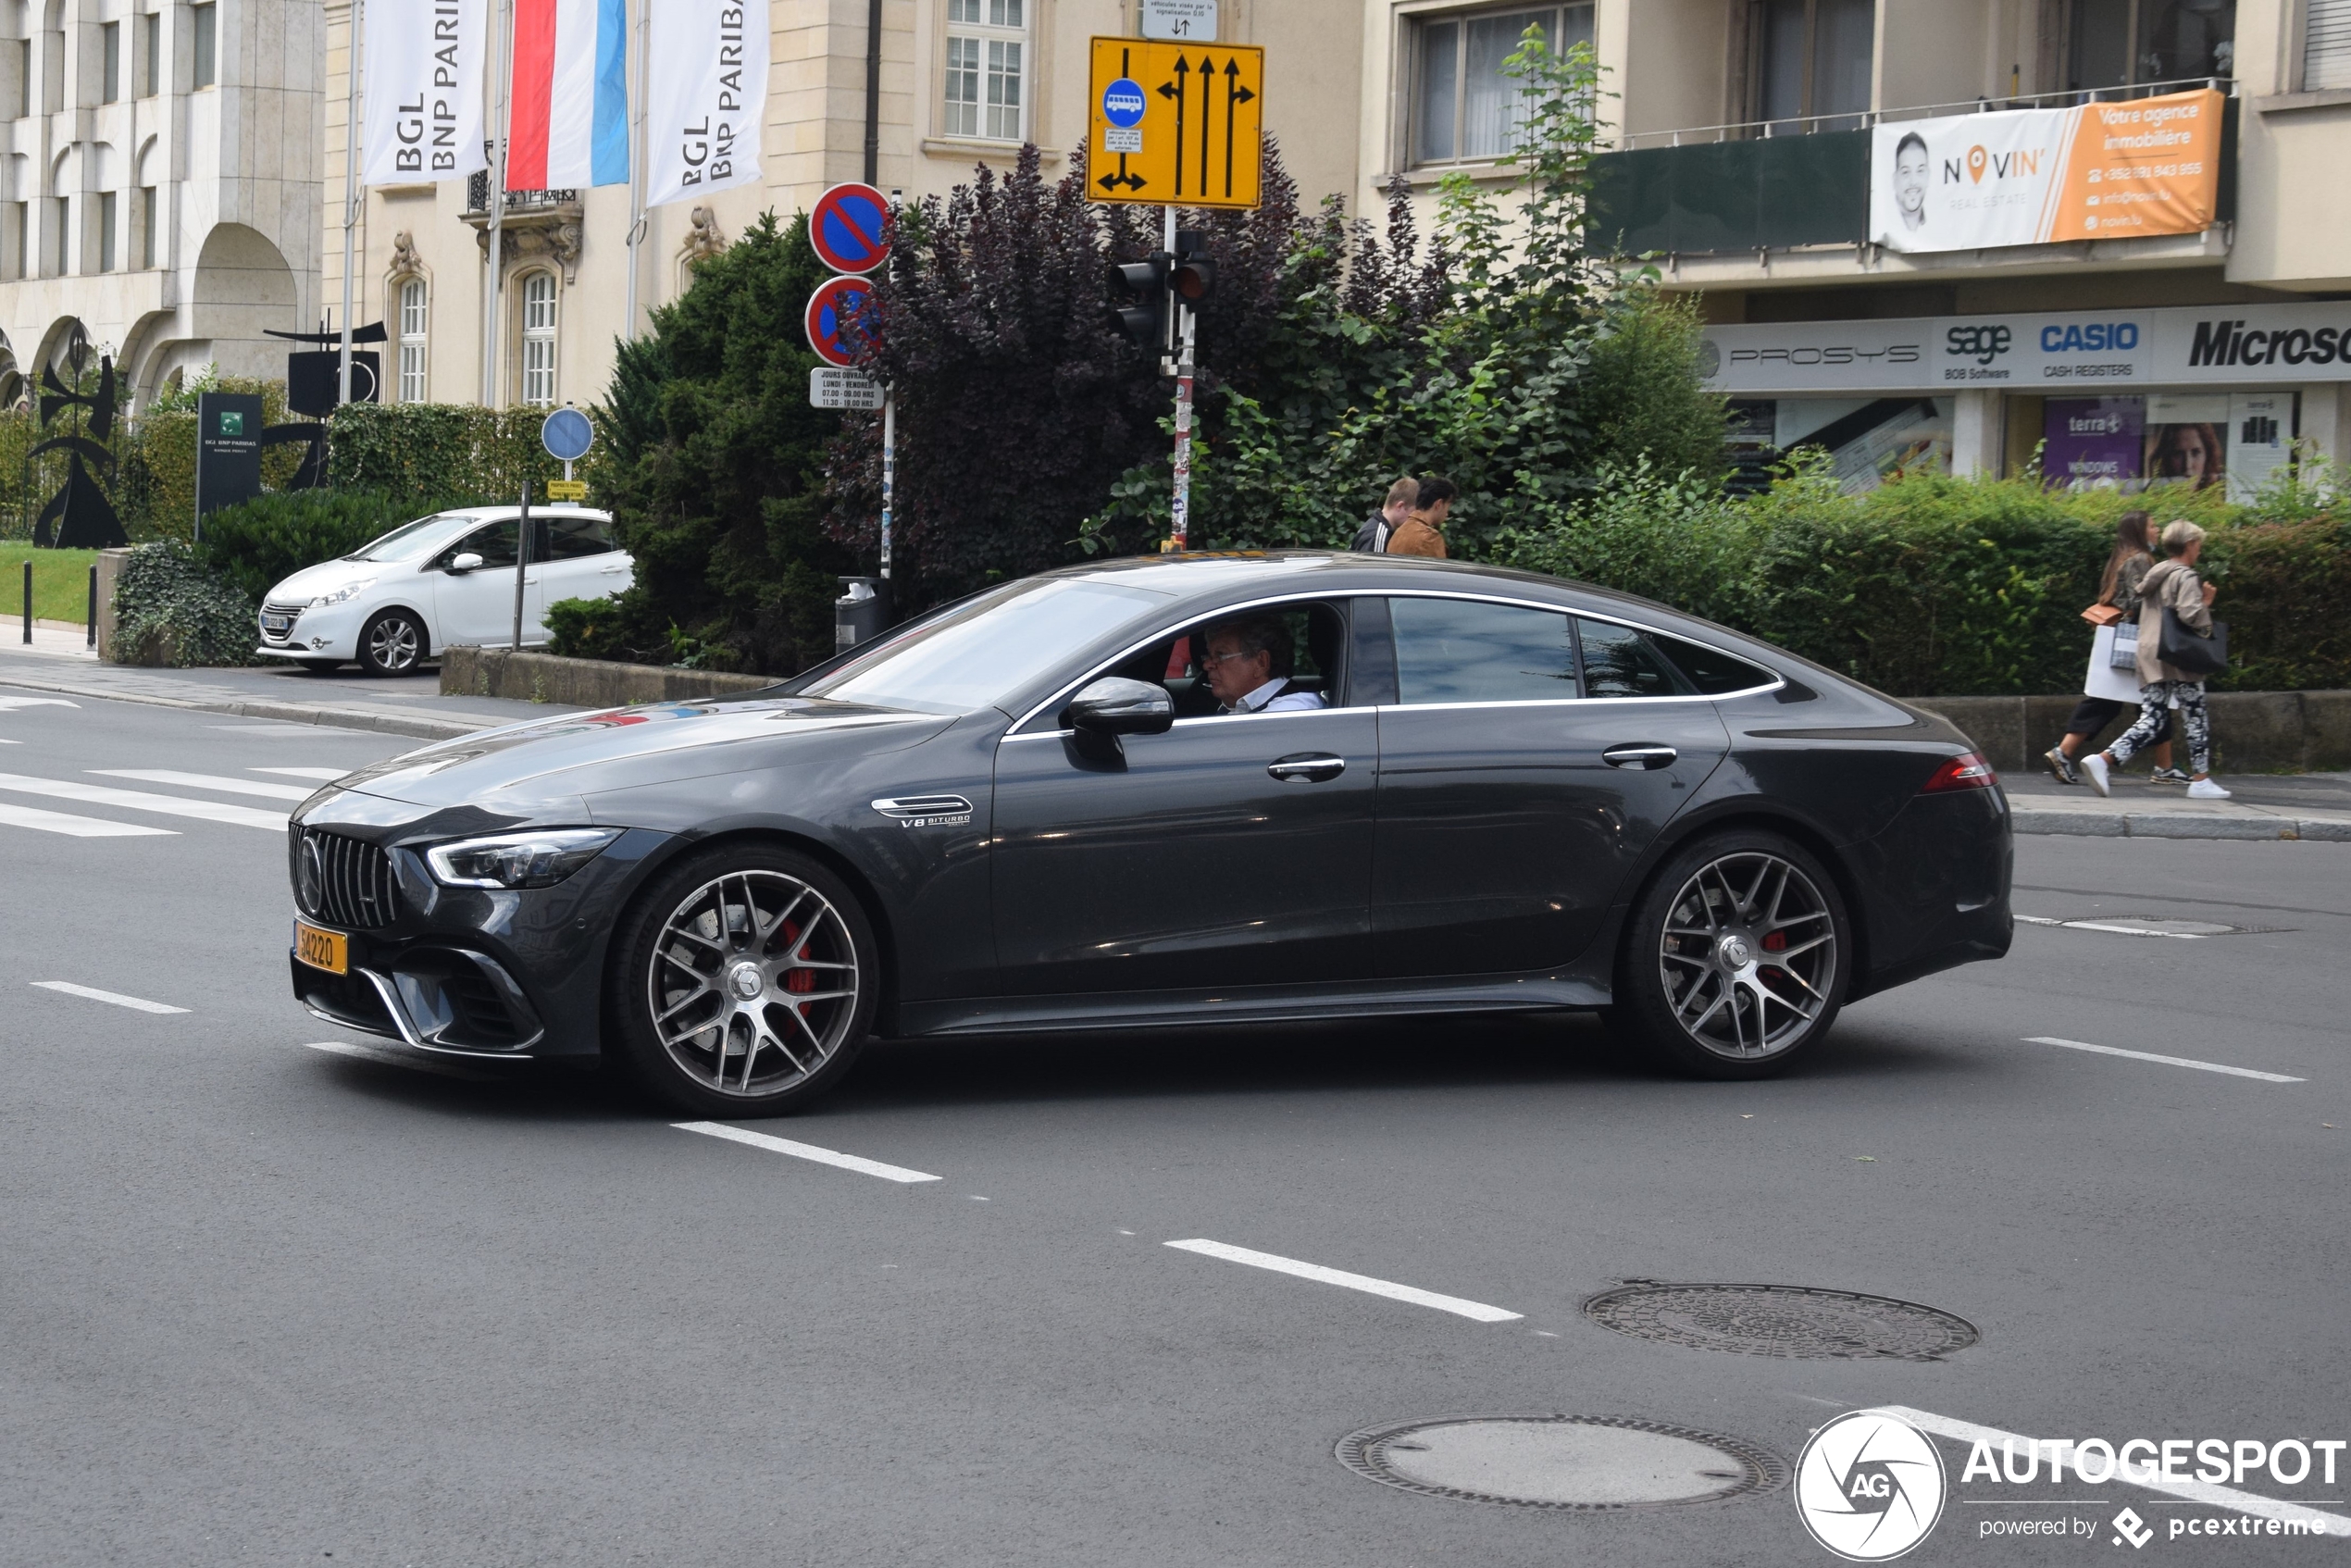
{"x":117,"y":997}
{"x":2190,"y":1491}
{"x":323,"y":774}
{"x":78,"y":827}
{"x":804,"y":1151}
{"x":1365,"y":1283}
{"x":9,"y":704}
{"x":383,"y":1058}
{"x":139,"y":800}
{"x":2108,"y":925}
{"x":6,"y":741}
{"x":206,"y":781}
{"x":2167,"y":1060}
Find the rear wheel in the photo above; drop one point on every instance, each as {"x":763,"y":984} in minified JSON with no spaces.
{"x":393,"y":643}
{"x":1736,"y":958}
{"x":743,"y":982}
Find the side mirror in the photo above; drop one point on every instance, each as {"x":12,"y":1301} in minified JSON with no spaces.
{"x":1116,"y":706}
{"x":464,"y":563}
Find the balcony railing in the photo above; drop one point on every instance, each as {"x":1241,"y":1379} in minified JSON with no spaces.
{"x":478,"y":198}
{"x":1762,"y":130}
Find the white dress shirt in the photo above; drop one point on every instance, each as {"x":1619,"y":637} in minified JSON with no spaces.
{"x":1262,"y":700}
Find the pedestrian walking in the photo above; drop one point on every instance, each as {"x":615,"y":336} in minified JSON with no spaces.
{"x":1422,"y":533}
{"x":2112,"y":683}
{"x":2172,"y":586}
{"x":1372,"y":538}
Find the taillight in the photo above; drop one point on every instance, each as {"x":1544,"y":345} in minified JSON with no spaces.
{"x":1967,"y":771}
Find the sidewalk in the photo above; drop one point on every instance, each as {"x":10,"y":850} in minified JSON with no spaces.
{"x":58,"y":663}
{"x":2314,"y":805}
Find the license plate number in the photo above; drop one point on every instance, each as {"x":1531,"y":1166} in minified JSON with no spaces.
{"x":320,"y":948}
{"x":276,"y":623}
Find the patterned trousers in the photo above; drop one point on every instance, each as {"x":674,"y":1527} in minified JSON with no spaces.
{"x":2155,"y":698}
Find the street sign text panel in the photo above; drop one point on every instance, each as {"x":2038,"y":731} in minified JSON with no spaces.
{"x":1175,"y":124}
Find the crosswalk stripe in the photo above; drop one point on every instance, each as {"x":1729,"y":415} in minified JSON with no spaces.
{"x":323,"y":774}
{"x":139,"y":800}
{"x":206,"y":781}
{"x":76,"y":826}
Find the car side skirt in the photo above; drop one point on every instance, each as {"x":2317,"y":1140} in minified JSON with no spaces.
{"x":1267,"y":1004}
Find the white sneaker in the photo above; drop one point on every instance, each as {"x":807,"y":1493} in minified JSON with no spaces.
{"x":2094,"y":769}
{"x":2205,"y":790}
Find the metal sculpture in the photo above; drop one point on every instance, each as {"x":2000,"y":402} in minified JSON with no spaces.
{"x":79,"y":516}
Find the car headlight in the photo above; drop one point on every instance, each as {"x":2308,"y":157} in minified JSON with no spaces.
{"x":518,"y":860}
{"x":348,"y":590}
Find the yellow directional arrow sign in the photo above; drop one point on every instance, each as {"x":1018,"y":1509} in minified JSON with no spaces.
{"x":1175,"y":124}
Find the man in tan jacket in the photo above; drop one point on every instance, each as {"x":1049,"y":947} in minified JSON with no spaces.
{"x":1422,"y":532}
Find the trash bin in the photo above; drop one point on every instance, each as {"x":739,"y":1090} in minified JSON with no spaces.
{"x":861,"y":613}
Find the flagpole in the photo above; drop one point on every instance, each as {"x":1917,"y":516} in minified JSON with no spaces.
{"x":504,"y":86}
{"x":349,"y":191}
{"x":637,"y":165}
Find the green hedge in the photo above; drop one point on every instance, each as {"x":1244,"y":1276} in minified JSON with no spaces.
{"x":1935,"y":586}
{"x":269,"y":538}
{"x":173,"y":610}
{"x":431,"y":456}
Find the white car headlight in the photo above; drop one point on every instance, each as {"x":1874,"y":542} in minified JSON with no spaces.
{"x":518,"y":860}
{"x":348,"y":590}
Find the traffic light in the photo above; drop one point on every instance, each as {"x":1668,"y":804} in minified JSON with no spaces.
{"x":1193,"y":277}
{"x":1142,"y":320}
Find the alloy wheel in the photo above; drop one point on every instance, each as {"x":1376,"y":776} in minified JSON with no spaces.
{"x":753,"y":983}
{"x":393,"y":645}
{"x":1749,"y":956}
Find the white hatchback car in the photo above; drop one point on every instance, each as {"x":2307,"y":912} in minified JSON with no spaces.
{"x":441,"y":581}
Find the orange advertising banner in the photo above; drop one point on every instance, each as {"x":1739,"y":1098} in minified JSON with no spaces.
{"x":2148,"y":167}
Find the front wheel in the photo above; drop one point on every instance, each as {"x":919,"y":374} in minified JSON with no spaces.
{"x":393,"y":643}
{"x":1737,"y":957}
{"x":743,"y":982}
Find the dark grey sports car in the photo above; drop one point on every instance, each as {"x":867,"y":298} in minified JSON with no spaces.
{"x":1167,"y":791}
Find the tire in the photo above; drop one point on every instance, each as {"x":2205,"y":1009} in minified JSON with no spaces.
{"x":685,"y":953}
{"x":1723,"y":898}
{"x":392,"y":643}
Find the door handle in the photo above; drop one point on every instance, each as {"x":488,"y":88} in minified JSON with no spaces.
{"x":1312,"y":768}
{"x":1640,"y":756}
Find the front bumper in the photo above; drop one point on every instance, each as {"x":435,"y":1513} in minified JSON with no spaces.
{"x":473,"y":971}
{"x":316,"y":632}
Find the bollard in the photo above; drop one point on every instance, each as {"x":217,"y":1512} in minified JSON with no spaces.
{"x":93,"y":605}
{"x":861,"y":613}
{"x":28,"y":604}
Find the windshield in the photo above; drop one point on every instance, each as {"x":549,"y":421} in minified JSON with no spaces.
{"x":988,"y":650}
{"x":408,"y":542}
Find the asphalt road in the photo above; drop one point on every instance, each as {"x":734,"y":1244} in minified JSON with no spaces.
{"x":270,"y":1304}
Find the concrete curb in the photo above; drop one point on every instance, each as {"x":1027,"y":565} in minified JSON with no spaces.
{"x":2178,"y":824}
{"x":414,"y":724}
{"x":535,"y":677}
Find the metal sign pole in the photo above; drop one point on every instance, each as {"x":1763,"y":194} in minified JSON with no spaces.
{"x":1179,"y":508}
{"x":889,"y":470}
{"x":349,"y":191}
{"x":497,"y":182}
{"x":522,"y":559}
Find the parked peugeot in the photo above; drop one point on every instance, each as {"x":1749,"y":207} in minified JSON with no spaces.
{"x":447,"y":579}
{"x":1163,"y":793}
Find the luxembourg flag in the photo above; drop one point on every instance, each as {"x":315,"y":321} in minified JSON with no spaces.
{"x":568,"y":120}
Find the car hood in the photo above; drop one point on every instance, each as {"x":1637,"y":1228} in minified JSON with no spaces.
{"x":324,"y":578}
{"x":584,"y":755}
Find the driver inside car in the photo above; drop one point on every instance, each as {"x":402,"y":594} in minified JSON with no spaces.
{"x":1249,"y":667}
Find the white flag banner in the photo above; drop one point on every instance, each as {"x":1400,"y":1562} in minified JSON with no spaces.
{"x":424,"y":67}
{"x":706,"y":96}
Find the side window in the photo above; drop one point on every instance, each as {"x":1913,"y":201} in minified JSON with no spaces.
{"x":1303,"y":650}
{"x":494,"y":542}
{"x":1712,"y":673}
{"x":1620,"y":662}
{"x":1462,"y":650}
{"x":576,"y":536}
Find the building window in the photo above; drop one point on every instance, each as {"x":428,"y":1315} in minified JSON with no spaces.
{"x":24,"y":77}
{"x":1812,"y":61}
{"x":21,"y":226}
{"x":538,"y":339}
{"x":412,"y":340}
{"x":151,"y":48}
{"x":63,"y":210}
{"x":147,"y":226}
{"x":1464,"y":106}
{"x":2126,"y":43}
{"x":106,"y":231}
{"x":110,"y":74}
{"x":987,"y":50}
{"x":204,"y":21}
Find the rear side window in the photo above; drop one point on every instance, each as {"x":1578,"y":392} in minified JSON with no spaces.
{"x":1461,"y":651}
{"x":1620,"y":662}
{"x":1712,"y":673}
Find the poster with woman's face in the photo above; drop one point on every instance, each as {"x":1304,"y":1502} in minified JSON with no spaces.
{"x":2185,"y":441}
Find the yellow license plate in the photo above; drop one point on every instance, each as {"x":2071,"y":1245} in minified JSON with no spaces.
{"x":329,"y":950}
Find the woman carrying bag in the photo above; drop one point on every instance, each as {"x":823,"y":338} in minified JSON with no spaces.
{"x":2112,"y":683}
{"x":2179,"y":643}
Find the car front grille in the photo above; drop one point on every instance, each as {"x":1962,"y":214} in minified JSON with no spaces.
{"x":342,"y":881}
{"x":285,"y":616}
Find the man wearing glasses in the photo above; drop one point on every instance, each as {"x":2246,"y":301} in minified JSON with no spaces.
{"x":1249,"y":669}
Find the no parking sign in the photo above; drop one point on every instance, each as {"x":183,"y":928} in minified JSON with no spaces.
{"x":840,"y":320}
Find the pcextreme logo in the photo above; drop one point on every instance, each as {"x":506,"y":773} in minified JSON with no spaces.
{"x":1869,"y":1487}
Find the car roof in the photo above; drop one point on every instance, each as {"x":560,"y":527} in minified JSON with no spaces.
{"x":495,"y":514}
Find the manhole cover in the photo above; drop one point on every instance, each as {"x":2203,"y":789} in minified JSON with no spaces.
{"x":1780,"y":1320}
{"x":1587,"y":1461}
